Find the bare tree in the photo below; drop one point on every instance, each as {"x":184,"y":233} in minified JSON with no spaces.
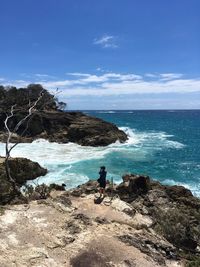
{"x":31,"y":108}
{"x":8,"y":147}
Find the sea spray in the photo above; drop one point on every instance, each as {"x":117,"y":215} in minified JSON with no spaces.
{"x":73,"y":164}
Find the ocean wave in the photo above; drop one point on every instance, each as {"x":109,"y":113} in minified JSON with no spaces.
{"x":47,"y":153}
{"x":69,"y":178}
{"x":151,"y":139}
{"x":66,"y":162}
{"x":107,"y":112}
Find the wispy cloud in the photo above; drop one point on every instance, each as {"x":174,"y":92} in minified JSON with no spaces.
{"x":170,"y":76}
{"x":106,"y":41}
{"x":115,"y":84}
{"x":42,"y":75}
{"x":79,"y":74}
{"x":151,"y":75}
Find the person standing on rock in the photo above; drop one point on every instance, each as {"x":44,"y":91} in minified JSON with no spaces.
{"x":102,"y":180}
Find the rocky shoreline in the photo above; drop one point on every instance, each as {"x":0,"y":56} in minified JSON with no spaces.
{"x":49,"y":122}
{"x":139,"y":223}
{"x":64,"y":127}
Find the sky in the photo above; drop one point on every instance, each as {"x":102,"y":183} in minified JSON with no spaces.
{"x":108,"y":54}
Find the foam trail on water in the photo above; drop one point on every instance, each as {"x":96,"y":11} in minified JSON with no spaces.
{"x":60,"y":159}
{"x":156,"y":139}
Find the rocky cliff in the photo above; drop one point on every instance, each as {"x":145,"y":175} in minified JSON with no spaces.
{"x":140,"y":223}
{"x":64,"y":127}
{"x":51,"y":123}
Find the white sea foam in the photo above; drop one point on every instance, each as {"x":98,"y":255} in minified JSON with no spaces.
{"x":71,"y":179}
{"x":60,"y":158}
{"x":152,"y":139}
{"x":106,"y":111}
{"x":47,"y":153}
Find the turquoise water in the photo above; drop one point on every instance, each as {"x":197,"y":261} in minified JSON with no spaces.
{"x":162,"y":144}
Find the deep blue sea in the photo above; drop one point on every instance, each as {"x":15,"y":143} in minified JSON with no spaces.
{"x":162,"y":144}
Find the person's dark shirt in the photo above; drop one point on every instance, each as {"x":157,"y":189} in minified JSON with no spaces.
{"x":102,"y":176}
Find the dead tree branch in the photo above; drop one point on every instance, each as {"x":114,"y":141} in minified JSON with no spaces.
{"x":32,"y":108}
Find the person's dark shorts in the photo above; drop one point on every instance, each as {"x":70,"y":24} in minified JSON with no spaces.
{"x":102,"y":184}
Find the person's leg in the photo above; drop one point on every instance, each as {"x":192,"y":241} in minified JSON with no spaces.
{"x":101,"y":191}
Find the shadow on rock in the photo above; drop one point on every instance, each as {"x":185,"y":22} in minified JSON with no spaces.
{"x":98,"y":200}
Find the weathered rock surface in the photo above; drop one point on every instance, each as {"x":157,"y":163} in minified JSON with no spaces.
{"x":171,"y":210}
{"x":154,"y":227}
{"x":83,"y":235}
{"x":22,"y":169}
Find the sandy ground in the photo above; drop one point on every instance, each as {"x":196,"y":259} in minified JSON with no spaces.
{"x":51,"y":234}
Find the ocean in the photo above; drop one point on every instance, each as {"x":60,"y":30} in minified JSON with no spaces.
{"x":162,"y":144}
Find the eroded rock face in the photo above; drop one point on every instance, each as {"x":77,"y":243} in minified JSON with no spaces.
{"x":22,"y":169}
{"x":64,"y":127}
{"x":174,"y":210}
{"x":171,"y":211}
{"x":132,"y":186}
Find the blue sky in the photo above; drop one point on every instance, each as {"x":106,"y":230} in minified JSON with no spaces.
{"x":108,"y":54}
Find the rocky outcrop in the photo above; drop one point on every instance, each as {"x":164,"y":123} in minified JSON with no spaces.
{"x":133,"y":186}
{"x":22,"y":169}
{"x":64,"y":127}
{"x":51,"y":123}
{"x":174,"y":211}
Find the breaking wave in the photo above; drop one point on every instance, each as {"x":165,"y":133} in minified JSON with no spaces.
{"x":66,"y":163}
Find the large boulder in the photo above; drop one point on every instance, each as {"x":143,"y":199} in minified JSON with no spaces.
{"x":132,"y":186}
{"x":22,"y":169}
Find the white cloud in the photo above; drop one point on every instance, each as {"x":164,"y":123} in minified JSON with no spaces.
{"x":115,"y":84}
{"x":106,"y":41}
{"x":170,"y":76}
{"x":151,"y":75}
{"x":42,"y":75}
{"x":80,"y":74}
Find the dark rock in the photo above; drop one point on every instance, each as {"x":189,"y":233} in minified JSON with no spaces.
{"x":154,"y":248}
{"x":49,"y":122}
{"x":132,"y":186}
{"x":101,"y":220}
{"x":177,"y":191}
{"x":130,"y":263}
{"x":72,"y":227}
{"x":76,"y":193}
{"x":188,"y":244}
{"x":64,"y":127}
{"x":83,"y":218}
{"x":22,"y":169}
{"x":130,"y":212}
{"x":57,"y":187}
{"x":64,"y":199}
{"x":68,"y":240}
{"x":90,"y":187}
{"x":91,"y":131}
